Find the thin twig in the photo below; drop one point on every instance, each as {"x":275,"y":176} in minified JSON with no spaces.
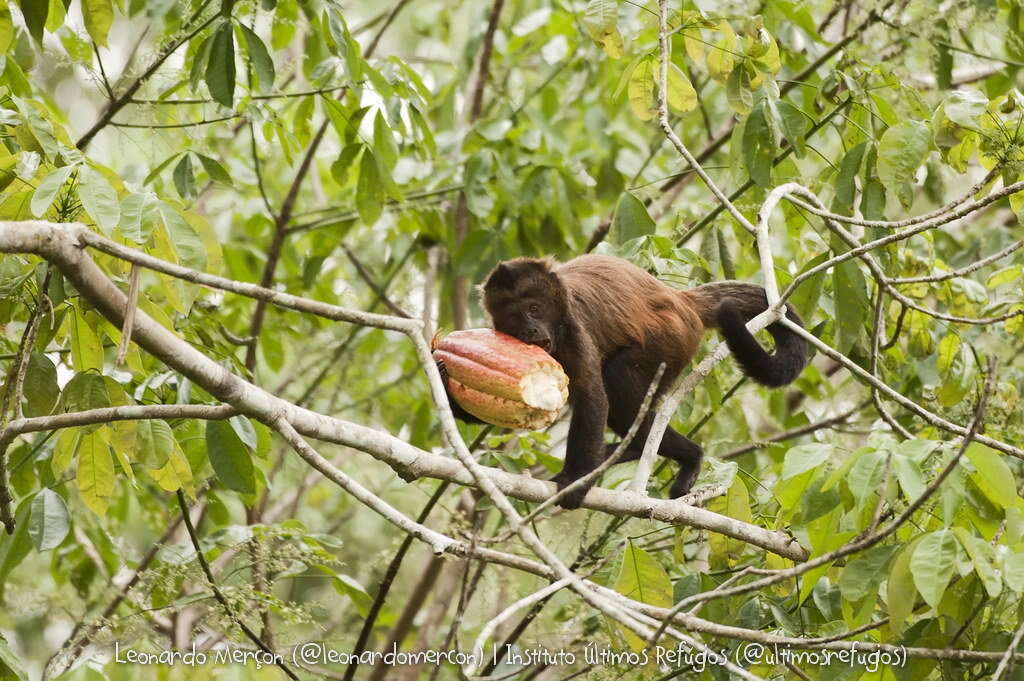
{"x":129,"y":314}
{"x":385,"y":586}
{"x":283,"y":220}
{"x":219,"y":595}
{"x":12,"y":397}
{"x":116,"y":105}
{"x":959,"y":272}
{"x":1004,"y":663}
{"x":792,"y":433}
{"x":365,"y":275}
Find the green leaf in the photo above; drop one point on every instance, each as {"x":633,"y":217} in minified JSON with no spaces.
{"x":55,"y":16}
{"x":14,"y":547}
{"x":909,"y":475}
{"x":220,"y":68}
{"x":99,"y":199}
{"x":693,"y":44}
{"x":425,"y":132}
{"x":631,"y":219}
{"x":767,"y":57}
{"x":641,"y":90}
{"x":600,"y":21}
{"x":86,"y":349}
{"x":154,"y":442}
{"x":95,"y":476}
{"x":983,"y":557}
{"x":851,"y":301}
{"x":1005,"y":276}
{"x":350,"y":587}
{"x":943,"y":66}
{"x":34,"y":12}
{"x":642,"y":578}
{"x":626,"y":74}
{"x":759,"y":147}
{"x":15,"y":78}
{"x":77,"y":48}
{"x":215,"y":170}
{"x":902,"y":149}
{"x":949,"y":350}
{"x":184,"y":178}
{"x":46,"y":190}
{"x":343,"y":164}
{"x":803,"y":458}
{"x":384,"y":148}
{"x":932,"y":565}
{"x":369,"y":190}
{"x":863,"y":575}
{"x":124,"y":442}
{"x":200,"y":63}
{"x":175,"y":474}
{"x":865,"y":478}
{"x":244,"y":430}
{"x":98,"y":15}
{"x":846,"y":189}
{"x":805,"y":299}
{"x":262,"y":64}
{"x":155,"y":172}
{"x":965,"y":108}
{"x":994,"y":477}
{"x":601,"y":13}
{"x":188,"y":246}
{"x":1017,"y":205}
{"x":130,"y":223}
{"x":900,"y":593}
{"x":65,"y":449}
{"x":681,"y":95}
{"x":229,"y":457}
{"x":735,"y":504}
{"x":1013,"y":572}
{"x":794,"y":124}
{"x":6,"y":27}
{"x":872,"y":201}
{"x":41,"y":391}
{"x":48,"y":520}
{"x":11,"y":665}
{"x":720,"y":57}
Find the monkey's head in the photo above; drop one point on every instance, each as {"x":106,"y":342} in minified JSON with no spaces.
{"x":527,"y":300}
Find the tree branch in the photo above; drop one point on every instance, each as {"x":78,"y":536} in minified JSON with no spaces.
{"x":62,"y":244}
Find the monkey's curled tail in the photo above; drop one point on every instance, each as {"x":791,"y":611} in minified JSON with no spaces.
{"x":728,"y":306}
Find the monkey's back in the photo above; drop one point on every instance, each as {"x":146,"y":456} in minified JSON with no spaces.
{"x":620,"y":304}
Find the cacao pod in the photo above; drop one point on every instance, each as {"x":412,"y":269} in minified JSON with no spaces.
{"x":502,"y":380}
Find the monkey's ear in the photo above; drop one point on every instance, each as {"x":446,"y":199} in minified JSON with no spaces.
{"x":501,"y":277}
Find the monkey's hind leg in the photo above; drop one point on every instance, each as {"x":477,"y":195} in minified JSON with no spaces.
{"x":627,"y":377}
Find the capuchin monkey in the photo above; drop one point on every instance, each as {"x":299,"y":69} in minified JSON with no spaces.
{"x":610,"y":325}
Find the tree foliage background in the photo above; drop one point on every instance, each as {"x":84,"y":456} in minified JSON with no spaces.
{"x":383,"y":158}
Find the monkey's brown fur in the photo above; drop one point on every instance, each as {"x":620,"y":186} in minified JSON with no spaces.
{"x":611,"y":324}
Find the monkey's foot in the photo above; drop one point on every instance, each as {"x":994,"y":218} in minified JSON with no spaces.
{"x":573,"y":499}
{"x":684,"y":482}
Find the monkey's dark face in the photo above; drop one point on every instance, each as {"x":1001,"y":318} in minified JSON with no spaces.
{"x":525,"y":299}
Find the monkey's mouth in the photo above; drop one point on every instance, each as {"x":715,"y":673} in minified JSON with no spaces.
{"x":544,"y":344}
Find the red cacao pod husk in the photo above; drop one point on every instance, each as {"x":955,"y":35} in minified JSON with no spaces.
{"x":502,"y":380}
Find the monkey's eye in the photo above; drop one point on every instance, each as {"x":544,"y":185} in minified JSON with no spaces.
{"x":534,"y":308}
